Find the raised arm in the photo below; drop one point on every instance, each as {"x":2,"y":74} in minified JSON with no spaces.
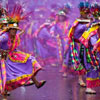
{"x":39,"y":29}
{"x":21,"y":31}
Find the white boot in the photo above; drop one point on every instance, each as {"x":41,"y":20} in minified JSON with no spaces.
{"x":90,"y":91}
{"x":81,"y":83}
{"x":64,"y":74}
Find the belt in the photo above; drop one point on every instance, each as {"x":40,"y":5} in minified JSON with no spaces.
{"x":4,"y":54}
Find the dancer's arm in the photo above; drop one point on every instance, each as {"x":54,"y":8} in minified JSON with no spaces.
{"x":95,"y":42}
{"x":52,"y":31}
{"x":21,"y":31}
{"x":38,"y":30}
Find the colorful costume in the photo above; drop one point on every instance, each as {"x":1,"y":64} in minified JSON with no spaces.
{"x":61,"y":36}
{"x":90,"y":40}
{"x":18,"y":67}
{"x":78,"y":28}
{"x":75,"y":33}
{"x":46,"y":46}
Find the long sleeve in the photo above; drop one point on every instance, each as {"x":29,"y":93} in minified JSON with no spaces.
{"x":3,"y":37}
{"x":94,"y":39}
{"x":3,"y":41}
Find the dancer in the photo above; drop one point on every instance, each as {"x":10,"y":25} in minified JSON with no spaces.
{"x":45,"y":44}
{"x":90,"y":40}
{"x":60,"y":30}
{"x":17,"y":67}
{"x":79,"y":26}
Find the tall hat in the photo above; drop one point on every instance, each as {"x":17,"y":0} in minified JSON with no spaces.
{"x":84,"y":7}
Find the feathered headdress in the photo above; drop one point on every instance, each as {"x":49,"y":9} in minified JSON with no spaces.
{"x":16,"y":15}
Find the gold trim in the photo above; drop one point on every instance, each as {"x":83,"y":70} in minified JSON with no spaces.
{"x":72,"y":29}
{"x":23,"y":76}
{"x":86,"y":34}
{"x":91,"y":79}
{"x":24,"y":61}
{"x":18,"y":78}
{"x":98,"y":40}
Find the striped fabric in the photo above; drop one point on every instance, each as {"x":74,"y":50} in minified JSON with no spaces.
{"x":59,"y":48}
{"x":92,"y":59}
{"x":75,"y":57}
{"x":2,"y":76}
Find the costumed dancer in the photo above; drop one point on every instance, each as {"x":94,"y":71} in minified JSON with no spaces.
{"x":60,"y":30}
{"x":17,"y":67}
{"x":67,"y":10}
{"x":45,"y":44}
{"x":90,"y":49}
{"x":78,"y":27}
{"x":3,"y":26}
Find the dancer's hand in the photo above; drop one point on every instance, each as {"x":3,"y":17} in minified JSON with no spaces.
{"x":22,"y":31}
{"x":35,"y":35}
{"x":18,"y":28}
{"x":44,"y":25}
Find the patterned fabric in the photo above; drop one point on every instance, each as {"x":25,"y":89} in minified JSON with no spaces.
{"x":90,"y":59}
{"x":59,"y":44}
{"x":2,"y":76}
{"x":84,"y":39}
{"x":18,"y":56}
{"x":24,"y":76}
{"x":75,"y":59}
{"x":72,"y":29}
{"x":18,"y":68}
{"x":15,"y":44}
